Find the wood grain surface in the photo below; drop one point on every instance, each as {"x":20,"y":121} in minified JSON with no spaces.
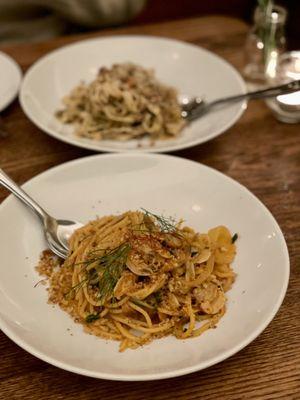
{"x":259,"y":152}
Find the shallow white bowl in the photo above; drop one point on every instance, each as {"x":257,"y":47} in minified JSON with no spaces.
{"x":101,"y":185}
{"x":191,"y":69}
{"x":10,"y":79}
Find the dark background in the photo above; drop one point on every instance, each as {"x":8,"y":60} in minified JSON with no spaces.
{"x":167,"y":10}
{"x":164,"y":10}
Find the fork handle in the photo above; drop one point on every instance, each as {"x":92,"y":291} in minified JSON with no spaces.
{"x":261,"y":94}
{"x":9,"y":184}
{"x":258,"y":94}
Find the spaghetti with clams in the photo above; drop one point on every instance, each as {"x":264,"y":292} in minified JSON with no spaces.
{"x":137,"y":276}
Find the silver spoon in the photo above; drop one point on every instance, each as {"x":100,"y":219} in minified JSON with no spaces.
{"x":57,"y":231}
{"x":196,"y":107}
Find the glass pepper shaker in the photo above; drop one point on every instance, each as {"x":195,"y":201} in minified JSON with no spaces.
{"x":264,"y":44}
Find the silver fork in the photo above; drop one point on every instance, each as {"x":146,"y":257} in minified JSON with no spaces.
{"x":196,"y":107}
{"x":57,"y":231}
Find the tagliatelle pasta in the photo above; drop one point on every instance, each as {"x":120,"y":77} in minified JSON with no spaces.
{"x":137,"y":276}
{"x":124,"y":102}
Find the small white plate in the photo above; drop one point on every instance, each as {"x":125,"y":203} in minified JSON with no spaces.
{"x":191,"y":69}
{"x":105,"y":184}
{"x":10,"y":80}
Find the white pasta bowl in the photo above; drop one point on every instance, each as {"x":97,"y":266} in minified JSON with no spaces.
{"x":101,"y":185}
{"x":10,"y":80}
{"x":191,"y":69}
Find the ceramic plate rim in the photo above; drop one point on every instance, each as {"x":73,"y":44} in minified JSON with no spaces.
{"x":89,"y":145}
{"x":179,"y":372}
{"x":17,"y":68}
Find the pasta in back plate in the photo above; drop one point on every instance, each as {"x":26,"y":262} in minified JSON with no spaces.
{"x":138,"y":276}
{"x":124,"y":102}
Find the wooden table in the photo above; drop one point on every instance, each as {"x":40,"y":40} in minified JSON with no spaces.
{"x":259,"y":152}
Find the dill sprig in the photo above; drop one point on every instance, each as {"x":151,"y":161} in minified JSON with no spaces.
{"x":111,"y":265}
{"x":76,"y":287}
{"x":107,"y":270}
{"x":165,"y":224}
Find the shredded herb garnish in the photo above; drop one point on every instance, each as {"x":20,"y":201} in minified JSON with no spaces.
{"x":91,"y":318}
{"x":76,"y":287}
{"x":157,"y":297}
{"x":234,"y":238}
{"x":106,"y":271}
{"x":111,"y":265}
{"x":165,"y":224}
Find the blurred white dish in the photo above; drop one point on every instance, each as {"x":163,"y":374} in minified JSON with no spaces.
{"x":10,"y":79}
{"x":191,"y":69}
{"x":101,"y":185}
